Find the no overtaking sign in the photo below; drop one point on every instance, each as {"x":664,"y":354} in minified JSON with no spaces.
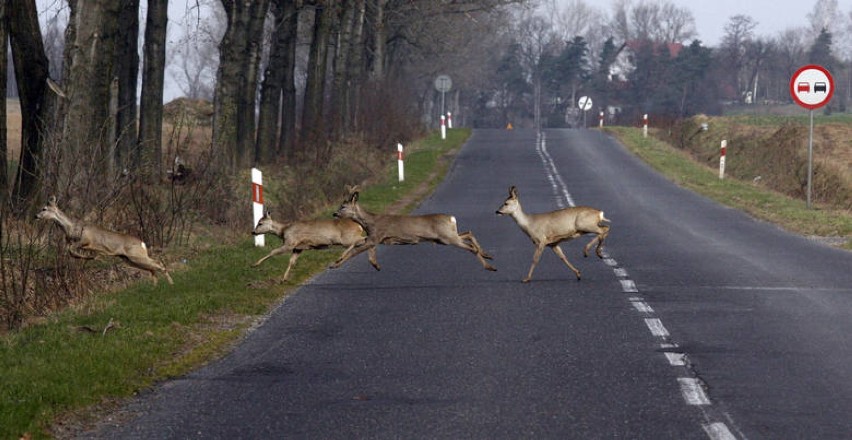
{"x":812,"y":86}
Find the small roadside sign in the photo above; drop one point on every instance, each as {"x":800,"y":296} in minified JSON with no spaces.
{"x":812,"y":86}
{"x":585,"y":103}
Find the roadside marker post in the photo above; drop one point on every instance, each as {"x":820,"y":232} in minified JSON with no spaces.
{"x":645,"y":125}
{"x":722,"y":159}
{"x":443,"y":127}
{"x":601,"y":117}
{"x":449,"y":120}
{"x":400,"y":162}
{"x":257,"y":202}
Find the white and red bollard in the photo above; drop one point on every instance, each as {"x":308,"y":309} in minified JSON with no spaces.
{"x":645,"y":125}
{"x":257,"y":202}
{"x":722,"y":159}
{"x":400,"y":162}
{"x":449,"y":120}
{"x":443,"y":127}
{"x":601,"y":119}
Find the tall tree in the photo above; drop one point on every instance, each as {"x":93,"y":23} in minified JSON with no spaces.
{"x":236,"y":81}
{"x":313,"y":121}
{"x":278,"y":91}
{"x":149,"y":143}
{"x":31,"y":70}
{"x":4,"y":160}
{"x":127,"y":73}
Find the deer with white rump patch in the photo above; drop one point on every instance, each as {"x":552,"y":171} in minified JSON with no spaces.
{"x":405,"y":229}
{"x":82,"y":236}
{"x":552,"y":228}
{"x":308,"y":234}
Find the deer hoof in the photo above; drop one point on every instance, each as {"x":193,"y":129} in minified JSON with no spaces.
{"x":525,"y":280}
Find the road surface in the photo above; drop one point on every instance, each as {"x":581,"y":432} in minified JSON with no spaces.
{"x":701,"y":323}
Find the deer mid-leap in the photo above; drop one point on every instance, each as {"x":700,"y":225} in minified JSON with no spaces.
{"x":552,"y":228}
{"x":405,"y":229}
{"x":82,"y":236}
{"x":308,"y":234}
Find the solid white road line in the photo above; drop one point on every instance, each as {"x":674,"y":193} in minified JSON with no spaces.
{"x":693,"y":392}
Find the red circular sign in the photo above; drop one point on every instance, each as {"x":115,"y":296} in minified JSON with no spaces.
{"x":812,"y":86}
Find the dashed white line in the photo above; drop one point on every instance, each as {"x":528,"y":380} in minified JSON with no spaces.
{"x":620,"y":272}
{"x":718,"y":431}
{"x":628,"y":286}
{"x":642,"y":307}
{"x":656,"y":327}
{"x":676,"y":359}
{"x":693,"y":392}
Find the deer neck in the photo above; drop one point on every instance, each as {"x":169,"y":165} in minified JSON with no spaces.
{"x":521,"y":218}
{"x":72,"y":228}
{"x":366,"y":219}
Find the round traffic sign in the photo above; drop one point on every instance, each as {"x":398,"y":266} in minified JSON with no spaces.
{"x":812,"y":86}
{"x":443,"y":83}
{"x":585,"y":103}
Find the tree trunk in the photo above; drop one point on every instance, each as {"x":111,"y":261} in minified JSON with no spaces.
{"x":356,"y":67}
{"x":150,"y":142}
{"x":313,"y":124}
{"x":31,"y":71}
{"x":4,"y":160}
{"x":236,"y":80}
{"x":127,"y":71}
{"x":377,"y":71}
{"x":92,"y":71}
{"x":274,"y":115}
{"x":340,"y":82}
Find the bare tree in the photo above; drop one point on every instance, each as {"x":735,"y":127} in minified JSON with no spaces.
{"x":127,"y":73}
{"x":4,"y":161}
{"x":150,"y":149}
{"x":236,"y":81}
{"x":738,"y":33}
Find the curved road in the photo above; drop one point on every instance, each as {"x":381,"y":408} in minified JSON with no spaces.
{"x":701,"y":323}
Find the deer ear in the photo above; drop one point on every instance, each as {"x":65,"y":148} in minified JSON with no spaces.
{"x":52,"y":201}
{"x":354,"y":197}
{"x":513,"y":192}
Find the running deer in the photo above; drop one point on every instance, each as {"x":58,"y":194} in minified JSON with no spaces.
{"x":552,"y":228}
{"x":308,"y":234}
{"x":82,"y":236}
{"x":405,"y":229}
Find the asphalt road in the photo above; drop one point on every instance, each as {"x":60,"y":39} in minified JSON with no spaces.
{"x":701,"y":323}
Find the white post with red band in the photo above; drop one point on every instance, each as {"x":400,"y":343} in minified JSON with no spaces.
{"x":443,"y":127}
{"x":400,"y":162}
{"x":257,"y":202}
{"x":601,"y":116}
{"x":449,"y":120}
{"x":722,"y":159}
{"x":645,"y":125}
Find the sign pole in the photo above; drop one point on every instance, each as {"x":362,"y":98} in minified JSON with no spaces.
{"x":810,"y":158}
{"x":811,"y":87}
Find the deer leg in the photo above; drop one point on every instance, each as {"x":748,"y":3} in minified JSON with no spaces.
{"x":147,"y":263}
{"x":538,"y":250}
{"x":599,"y":238}
{"x":74,"y":251}
{"x":372,"y":256}
{"x":277,"y":251}
{"x":469,"y":236}
{"x":351,"y":253}
{"x":293,"y":257}
{"x":558,"y":251}
{"x":470,"y":247}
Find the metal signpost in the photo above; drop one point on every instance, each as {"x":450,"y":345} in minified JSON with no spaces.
{"x":585,"y":104}
{"x":443,"y":84}
{"x":811,"y":87}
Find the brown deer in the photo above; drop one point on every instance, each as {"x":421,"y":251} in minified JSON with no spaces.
{"x":308,"y":234}
{"x":552,"y":228}
{"x":405,"y":229}
{"x":82,"y":236}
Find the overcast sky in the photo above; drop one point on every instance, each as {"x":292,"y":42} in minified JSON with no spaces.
{"x":772,"y":16}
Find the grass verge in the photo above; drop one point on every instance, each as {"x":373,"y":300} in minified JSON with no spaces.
{"x":789,"y":213}
{"x":110,"y":346}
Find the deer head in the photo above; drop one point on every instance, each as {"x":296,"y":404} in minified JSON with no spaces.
{"x":512,"y":204}
{"x":265,"y":225}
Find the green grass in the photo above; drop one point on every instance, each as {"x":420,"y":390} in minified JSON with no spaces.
{"x":787,"y":212}
{"x":54,"y":370}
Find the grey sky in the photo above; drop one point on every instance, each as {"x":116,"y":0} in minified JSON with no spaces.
{"x":772,"y":16}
